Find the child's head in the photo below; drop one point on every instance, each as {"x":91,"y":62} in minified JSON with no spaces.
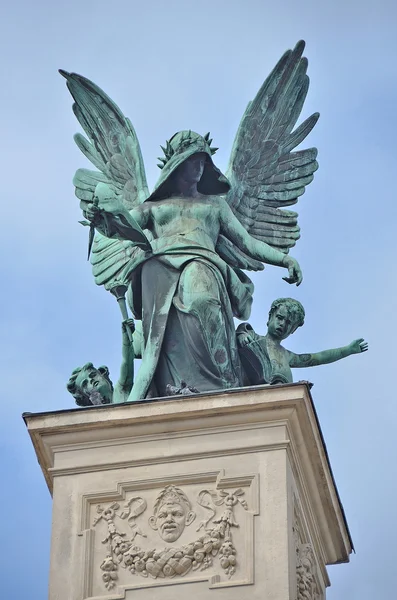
{"x":285,"y":316}
{"x":89,"y":385}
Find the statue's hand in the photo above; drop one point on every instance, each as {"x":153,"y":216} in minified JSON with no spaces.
{"x":128,"y":324}
{"x":103,"y":201}
{"x":358,"y":346}
{"x":90,"y":210}
{"x":294,"y":270}
{"x":243,"y":339}
{"x":107,"y":200}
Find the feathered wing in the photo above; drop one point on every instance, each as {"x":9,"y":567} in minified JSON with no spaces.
{"x":113,"y":148}
{"x":265,"y":174}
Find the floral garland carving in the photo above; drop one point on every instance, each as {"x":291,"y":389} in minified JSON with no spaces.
{"x":171,"y":562}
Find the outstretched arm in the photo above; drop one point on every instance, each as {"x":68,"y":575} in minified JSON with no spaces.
{"x":126,"y":379}
{"x":235,"y":232}
{"x":327,"y":356}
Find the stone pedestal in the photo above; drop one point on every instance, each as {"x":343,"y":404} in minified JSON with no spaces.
{"x":224,"y":495}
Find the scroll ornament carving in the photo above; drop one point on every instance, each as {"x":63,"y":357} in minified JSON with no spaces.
{"x":199,"y":554}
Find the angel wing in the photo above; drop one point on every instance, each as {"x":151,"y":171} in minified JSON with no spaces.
{"x":113,"y":148}
{"x":264,"y":173}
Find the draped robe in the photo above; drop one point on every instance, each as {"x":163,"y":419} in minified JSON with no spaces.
{"x":187,"y":296}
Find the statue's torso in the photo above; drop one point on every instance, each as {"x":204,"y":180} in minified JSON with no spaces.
{"x":279,"y":358}
{"x":194,"y":219}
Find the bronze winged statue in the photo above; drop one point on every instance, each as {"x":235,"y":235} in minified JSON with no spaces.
{"x":181,"y":250}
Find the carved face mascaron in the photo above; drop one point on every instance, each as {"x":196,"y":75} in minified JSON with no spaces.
{"x":171,"y":514}
{"x":171,"y":520}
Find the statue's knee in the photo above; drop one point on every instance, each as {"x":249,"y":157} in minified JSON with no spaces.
{"x":198,"y":283}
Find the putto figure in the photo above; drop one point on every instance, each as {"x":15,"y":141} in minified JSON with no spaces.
{"x":92,"y":386}
{"x":172,"y":513}
{"x":181,"y":249}
{"x":265,"y":360}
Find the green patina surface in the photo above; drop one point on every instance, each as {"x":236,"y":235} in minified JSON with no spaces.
{"x":178,"y":255}
{"x":265,"y":360}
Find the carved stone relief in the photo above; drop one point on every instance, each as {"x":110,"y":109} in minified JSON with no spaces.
{"x":306,"y":574}
{"x":172,"y":512}
{"x":306,"y":580}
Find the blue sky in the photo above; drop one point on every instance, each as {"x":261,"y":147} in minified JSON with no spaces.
{"x":189,"y":65}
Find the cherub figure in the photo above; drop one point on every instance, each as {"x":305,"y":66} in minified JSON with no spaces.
{"x":265,"y":360}
{"x":172,"y":513}
{"x":92,"y":386}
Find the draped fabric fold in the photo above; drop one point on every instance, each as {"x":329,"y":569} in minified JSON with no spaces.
{"x":187,"y":298}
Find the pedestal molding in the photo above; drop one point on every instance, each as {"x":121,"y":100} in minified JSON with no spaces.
{"x":261,"y":448}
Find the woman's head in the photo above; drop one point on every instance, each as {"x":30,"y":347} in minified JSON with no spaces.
{"x":189,"y":155}
{"x":192,"y":169}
